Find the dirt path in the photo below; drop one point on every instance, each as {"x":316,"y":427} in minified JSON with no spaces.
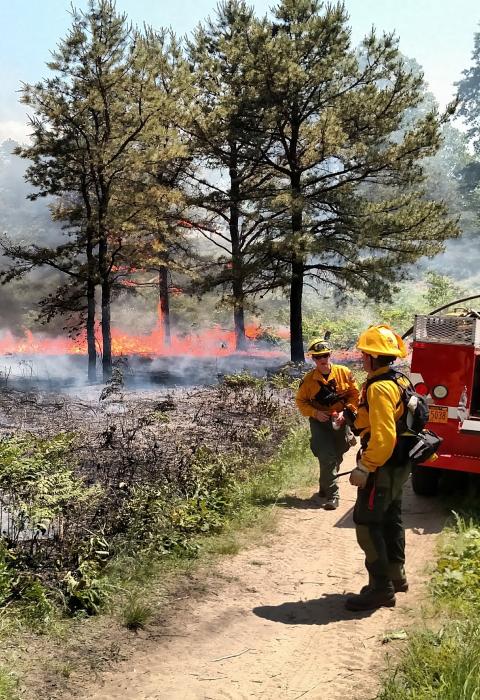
{"x":271,"y":624}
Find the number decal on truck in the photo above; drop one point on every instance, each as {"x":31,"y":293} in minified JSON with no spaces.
{"x":438,"y":414}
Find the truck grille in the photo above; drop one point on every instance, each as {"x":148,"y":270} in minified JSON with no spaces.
{"x":454,"y":330}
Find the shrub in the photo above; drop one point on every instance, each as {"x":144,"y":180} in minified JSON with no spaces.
{"x":85,"y":590}
{"x":37,"y":482}
{"x":457,"y":575}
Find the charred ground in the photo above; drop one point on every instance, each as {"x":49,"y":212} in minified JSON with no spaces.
{"x":123,"y":475}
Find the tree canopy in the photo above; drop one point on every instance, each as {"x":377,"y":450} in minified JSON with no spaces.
{"x":303,"y":158}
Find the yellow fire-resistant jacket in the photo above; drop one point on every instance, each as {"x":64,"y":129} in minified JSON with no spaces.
{"x":315,"y":386}
{"x":380,"y":408}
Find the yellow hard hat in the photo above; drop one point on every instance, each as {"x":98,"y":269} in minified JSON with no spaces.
{"x":318,"y":347}
{"x":381,"y":340}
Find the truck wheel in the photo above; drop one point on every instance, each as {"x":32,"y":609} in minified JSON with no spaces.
{"x":425,"y":480}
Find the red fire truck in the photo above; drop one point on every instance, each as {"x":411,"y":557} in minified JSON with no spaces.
{"x":445,"y":368}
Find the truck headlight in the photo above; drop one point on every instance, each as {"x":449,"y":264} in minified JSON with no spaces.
{"x":440,"y":391}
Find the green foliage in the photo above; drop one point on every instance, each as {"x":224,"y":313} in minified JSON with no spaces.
{"x":35,"y":605}
{"x":229,"y":137}
{"x":284,"y":380}
{"x":210,"y":490}
{"x":163,"y":520}
{"x":351,"y":230}
{"x":115,"y":125}
{"x":456,"y":580}
{"x":242,"y":380}
{"x":440,"y":290}
{"x":8,"y":685}
{"x":262,"y":434}
{"x":161,"y":416}
{"x":442,"y":665}
{"x":279,"y":472}
{"x":269,"y":336}
{"x":9,"y":576}
{"x":85,"y":589}
{"x":37,"y":477}
{"x":345,"y":323}
{"x":445,"y":664}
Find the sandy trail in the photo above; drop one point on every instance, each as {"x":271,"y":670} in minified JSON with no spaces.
{"x":271,"y":624}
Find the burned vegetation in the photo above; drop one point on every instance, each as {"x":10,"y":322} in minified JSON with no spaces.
{"x":133,"y":474}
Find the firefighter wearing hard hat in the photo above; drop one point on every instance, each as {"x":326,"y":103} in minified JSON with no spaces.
{"x":382,"y":469}
{"x":325,"y":393}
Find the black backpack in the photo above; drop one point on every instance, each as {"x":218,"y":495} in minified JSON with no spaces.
{"x":419,"y":442}
{"x":415,"y":414}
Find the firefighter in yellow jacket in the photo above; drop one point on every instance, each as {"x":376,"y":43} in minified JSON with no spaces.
{"x":324,"y":394}
{"x":382,"y":469}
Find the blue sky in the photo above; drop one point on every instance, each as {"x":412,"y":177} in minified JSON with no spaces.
{"x":437,"y":33}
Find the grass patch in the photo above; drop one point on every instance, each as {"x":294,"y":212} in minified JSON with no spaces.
{"x":8,"y":685}
{"x":227,"y":544}
{"x":136,"y":613}
{"x":443,"y":665}
{"x":442,"y":661}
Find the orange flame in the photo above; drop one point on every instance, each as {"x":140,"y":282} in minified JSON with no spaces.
{"x":215,"y":341}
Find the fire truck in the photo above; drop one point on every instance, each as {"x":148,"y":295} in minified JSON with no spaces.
{"x":445,"y":368}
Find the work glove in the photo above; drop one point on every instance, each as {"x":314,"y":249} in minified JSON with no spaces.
{"x":359,"y":476}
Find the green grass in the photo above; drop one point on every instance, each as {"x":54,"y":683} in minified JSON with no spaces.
{"x":442,"y":665}
{"x":441,"y":661}
{"x":253,"y":514}
{"x":8,"y":685}
{"x":136,"y":613}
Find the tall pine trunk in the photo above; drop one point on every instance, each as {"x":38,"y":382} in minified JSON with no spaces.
{"x":106,"y":302}
{"x":92,"y":350}
{"x":106,"y":330}
{"x":91,"y":346}
{"x":237,"y":259}
{"x":296,"y":293}
{"x":238,"y":313}
{"x":297,"y":274}
{"x":164,"y":303}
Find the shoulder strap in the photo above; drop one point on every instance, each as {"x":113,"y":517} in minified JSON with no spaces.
{"x":391,"y":375}
{"x":403,"y":376}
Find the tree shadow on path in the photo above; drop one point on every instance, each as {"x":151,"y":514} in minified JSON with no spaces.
{"x":320,"y":611}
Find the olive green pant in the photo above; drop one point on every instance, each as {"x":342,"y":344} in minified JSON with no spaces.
{"x":329,"y":446}
{"x":378,"y":522}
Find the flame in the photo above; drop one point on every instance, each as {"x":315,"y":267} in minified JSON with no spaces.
{"x":215,"y":341}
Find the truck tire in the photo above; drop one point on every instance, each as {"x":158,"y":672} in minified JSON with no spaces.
{"x":425,"y":480}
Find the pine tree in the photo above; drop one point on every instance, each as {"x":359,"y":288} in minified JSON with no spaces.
{"x":102,"y":132}
{"x":229,"y":177}
{"x":469,"y":109}
{"x":348,"y":177}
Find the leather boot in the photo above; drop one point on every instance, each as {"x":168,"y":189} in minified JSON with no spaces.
{"x":372,"y":598}
{"x":399,"y":586}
